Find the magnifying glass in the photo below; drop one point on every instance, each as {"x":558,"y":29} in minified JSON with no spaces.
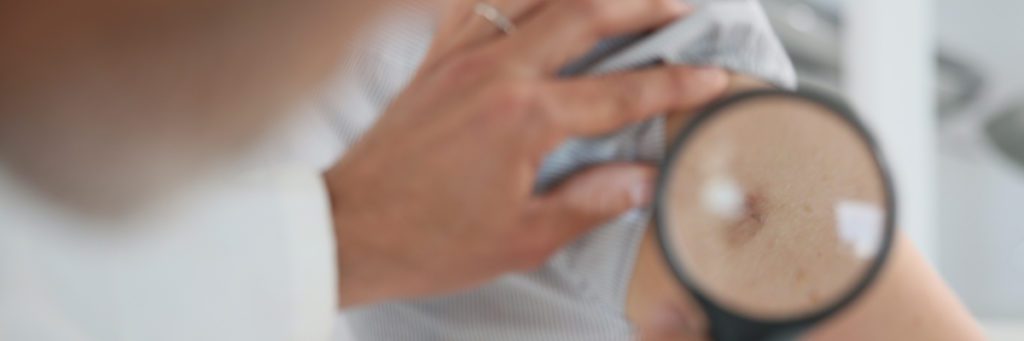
{"x":775,"y":210}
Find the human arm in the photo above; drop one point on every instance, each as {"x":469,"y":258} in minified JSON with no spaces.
{"x":907,"y":301}
{"x":486,"y":105}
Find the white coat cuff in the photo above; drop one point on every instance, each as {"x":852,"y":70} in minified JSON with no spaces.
{"x":313,"y":261}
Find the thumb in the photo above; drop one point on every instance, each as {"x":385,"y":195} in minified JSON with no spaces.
{"x":593,"y":197}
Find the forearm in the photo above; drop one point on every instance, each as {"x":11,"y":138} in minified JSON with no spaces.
{"x":909,"y":301}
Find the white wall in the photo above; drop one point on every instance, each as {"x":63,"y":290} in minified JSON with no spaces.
{"x":889,"y":75}
{"x":987,"y":32}
{"x":982,"y":192}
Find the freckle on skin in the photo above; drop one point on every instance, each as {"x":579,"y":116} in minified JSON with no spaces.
{"x":753,"y":204}
{"x":800,"y":276}
{"x":814,"y":297}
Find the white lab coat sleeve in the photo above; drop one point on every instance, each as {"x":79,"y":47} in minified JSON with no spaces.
{"x":243,"y":258}
{"x":313,"y":255}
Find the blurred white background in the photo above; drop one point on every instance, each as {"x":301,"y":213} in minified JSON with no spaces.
{"x":942,"y":83}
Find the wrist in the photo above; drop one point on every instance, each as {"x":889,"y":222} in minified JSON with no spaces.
{"x":360,"y":281}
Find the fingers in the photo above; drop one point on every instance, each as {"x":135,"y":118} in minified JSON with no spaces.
{"x":669,"y":323}
{"x":584,"y":202}
{"x":461,"y":27}
{"x":599,"y":105}
{"x":480,"y":29}
{"x":562,"y":30}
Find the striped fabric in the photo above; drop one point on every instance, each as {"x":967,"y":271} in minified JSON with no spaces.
{"x":580,"y":294}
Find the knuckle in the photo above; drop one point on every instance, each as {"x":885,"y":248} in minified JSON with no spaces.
{"x":467,"y":66}
{"x":631,"y":104}
{"x":677,"y":80}
{"x":530,"y":251}
{"x":533,"y":255}
{"x":548,"y":107}
{"x":625,"y":105}
{"x":513,"y":97}
{"x":663,"y":6}
{"x":600,"y":18}
{"x":587,"y":8}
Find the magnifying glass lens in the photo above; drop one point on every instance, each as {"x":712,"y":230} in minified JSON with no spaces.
{"x":775,"y":208}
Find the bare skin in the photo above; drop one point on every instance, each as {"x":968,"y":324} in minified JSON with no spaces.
{"x":909,"y":301}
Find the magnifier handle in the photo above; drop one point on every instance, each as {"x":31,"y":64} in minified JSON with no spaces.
{"x":729,"y":327}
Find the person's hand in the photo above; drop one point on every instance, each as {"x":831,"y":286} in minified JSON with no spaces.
{"x":438,"y":196}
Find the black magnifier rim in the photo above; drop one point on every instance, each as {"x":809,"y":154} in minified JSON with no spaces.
{"x":798,"y":322}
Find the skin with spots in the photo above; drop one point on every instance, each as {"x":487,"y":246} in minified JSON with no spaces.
{"x":741,"y":231}
{"x":776,"y":150}
{"x":909,"y":301}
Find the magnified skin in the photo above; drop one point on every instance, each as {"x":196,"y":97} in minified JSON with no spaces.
{"x":775,"y":250}
{"x":908,"y":300}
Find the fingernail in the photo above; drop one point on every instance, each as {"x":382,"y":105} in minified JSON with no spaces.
{"x":679,"y":7}
{"x":642,"y":193}
{"x":711,"y":75}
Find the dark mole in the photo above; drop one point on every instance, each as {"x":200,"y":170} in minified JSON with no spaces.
{"x":754,"y":207}
{"x":747,"y":227}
